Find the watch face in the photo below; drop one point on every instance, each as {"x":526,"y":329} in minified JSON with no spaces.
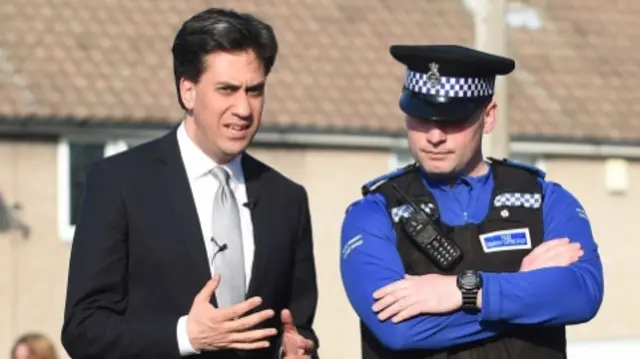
{"x":469,"y":280}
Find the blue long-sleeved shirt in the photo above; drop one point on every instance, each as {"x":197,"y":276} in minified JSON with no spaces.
{"x":552,"y":296}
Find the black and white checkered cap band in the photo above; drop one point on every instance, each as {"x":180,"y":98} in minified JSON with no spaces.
{"x":465,"y":87}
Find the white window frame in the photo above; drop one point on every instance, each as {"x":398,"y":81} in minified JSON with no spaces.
{"x":111,"y":146}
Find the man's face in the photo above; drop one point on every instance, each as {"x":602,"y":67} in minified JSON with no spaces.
{"x":225,"y":106}
{"x":22,"y":351}
{"x":445,"y":149}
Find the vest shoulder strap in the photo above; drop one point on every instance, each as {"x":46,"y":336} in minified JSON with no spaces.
{"x":516,"y":185}
{"x":537,"y":172}
{"x":375,"y":183}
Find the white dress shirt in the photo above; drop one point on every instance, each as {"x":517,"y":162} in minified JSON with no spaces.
{"x":203,"y":187}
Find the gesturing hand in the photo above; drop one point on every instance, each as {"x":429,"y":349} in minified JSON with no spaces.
{"x":213,"y":328}
{"x":414,"y":295}
{"x":295,"y":346}
{"x":554,"y":253}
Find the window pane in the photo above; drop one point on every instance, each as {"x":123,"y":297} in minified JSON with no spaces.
{"x":82,"y":155}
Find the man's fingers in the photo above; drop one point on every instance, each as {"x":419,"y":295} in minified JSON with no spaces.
{"x":250,"y":346}
{"x":561,"y":257}
{"x":287,"y":319}
{"x":410,"y":312}
{"x":548,"y":249}
{"x":250,"y":320}
{"x":395,"y":308}
{"x":209,"y":288}
{"x":387,"y":300}
{"x":565,"y":257}
{"x":252,"y":335}
{"x":384,"y":291}
{"x":306,"y":344}
{"x":237,"y":310}
{"x":549,"y":246}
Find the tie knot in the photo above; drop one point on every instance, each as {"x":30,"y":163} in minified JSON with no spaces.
{"x":221,"y":175}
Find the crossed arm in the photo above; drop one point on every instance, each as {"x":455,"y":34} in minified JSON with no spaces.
{"x":558,"y":295}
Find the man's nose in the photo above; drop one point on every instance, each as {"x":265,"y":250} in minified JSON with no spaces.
{"x":435,"y":135}
{"x":242,"y":107}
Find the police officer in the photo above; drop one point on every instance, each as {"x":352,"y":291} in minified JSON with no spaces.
{"x":458,"y":256}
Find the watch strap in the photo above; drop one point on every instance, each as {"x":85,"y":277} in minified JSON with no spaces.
{"x":469,"y":299}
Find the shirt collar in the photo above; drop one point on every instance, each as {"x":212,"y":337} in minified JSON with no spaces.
{"x":468,"y":181}
{"x":198,"y":164}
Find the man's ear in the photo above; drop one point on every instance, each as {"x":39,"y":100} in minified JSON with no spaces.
{"x":490,"y":117}
{"x":188,"y":93}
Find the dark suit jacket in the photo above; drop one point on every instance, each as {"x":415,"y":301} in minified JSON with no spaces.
{"x":138,"y":256}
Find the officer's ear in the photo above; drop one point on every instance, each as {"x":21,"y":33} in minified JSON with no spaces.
{"x":490,"y":117}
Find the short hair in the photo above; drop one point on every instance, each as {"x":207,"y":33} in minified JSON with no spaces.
{"x":39,"y":345}
{"x":218,"y":29}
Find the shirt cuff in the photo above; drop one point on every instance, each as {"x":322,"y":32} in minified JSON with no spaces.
{"x":491,"y":305}
{"x":183,"y":338}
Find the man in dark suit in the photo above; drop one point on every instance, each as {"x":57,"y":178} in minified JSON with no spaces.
{"x":187,"y":245}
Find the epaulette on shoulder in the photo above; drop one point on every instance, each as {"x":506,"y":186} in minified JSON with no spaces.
{"x":376,"y":182}
{"x":525,"y":166}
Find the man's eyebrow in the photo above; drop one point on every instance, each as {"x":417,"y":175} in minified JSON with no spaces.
{"x":257,"y":86}
{"x":227,"y":84}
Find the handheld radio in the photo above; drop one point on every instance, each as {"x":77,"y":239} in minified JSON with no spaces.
{"x":442,"y":251}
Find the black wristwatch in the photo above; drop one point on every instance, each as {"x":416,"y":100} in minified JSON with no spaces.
{"x":469,"y":282}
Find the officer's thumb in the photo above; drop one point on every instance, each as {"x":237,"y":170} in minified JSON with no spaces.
{"x":209,"y":288}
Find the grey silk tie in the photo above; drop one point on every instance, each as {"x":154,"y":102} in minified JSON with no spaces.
{"x":229,"y":263}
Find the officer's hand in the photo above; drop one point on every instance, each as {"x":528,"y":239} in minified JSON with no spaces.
{"x":213,"y":328}
{"x":414,"y":295}
{"x":554,"y":253}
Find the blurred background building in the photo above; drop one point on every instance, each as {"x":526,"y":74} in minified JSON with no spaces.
{"x":80,"y":80}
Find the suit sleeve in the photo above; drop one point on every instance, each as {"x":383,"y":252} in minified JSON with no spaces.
{"x":304,"y":292}
{"x":95,"y":321}
{"x":369,"y":261}
{"x":556,"y":295}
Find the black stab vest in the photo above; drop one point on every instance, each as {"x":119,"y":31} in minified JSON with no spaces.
{"x":510,"y":182}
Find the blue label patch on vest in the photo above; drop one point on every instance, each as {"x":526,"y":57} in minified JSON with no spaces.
{"x":508,"y":240}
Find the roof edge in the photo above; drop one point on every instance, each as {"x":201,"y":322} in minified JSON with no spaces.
{"x":325,"y":137}
{"x":575,"y":148}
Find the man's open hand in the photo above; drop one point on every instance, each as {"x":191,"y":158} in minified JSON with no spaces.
{"x":414,"y":295}
{"x":554,"y":253}
{"x":213,"y":328}
{"x":294,"y":345}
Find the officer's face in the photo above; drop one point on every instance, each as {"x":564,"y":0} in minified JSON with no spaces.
{"x":225,"y":105}
{"x":445,"y":149}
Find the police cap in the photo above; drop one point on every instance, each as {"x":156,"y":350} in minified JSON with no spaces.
{"x":448,"y":82}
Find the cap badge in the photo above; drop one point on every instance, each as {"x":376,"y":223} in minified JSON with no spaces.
{"x":433,"y":77}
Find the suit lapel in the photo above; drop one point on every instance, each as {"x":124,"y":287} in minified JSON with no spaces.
{"x":176,"y":186}
{"x":257,"y":185}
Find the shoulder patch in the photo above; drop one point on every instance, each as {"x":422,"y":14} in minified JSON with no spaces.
{"x":376,"y":182}
{"x":525,"y":166}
